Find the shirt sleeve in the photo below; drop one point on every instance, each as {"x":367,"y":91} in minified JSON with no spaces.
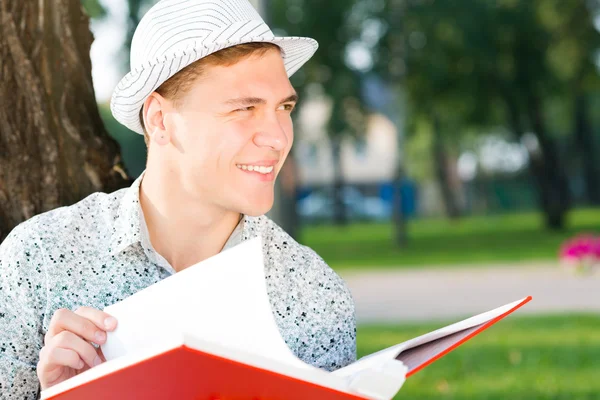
{"x":22,"y":304}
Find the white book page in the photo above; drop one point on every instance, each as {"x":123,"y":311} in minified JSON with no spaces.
{"x":383,"y":356}
{"x":222,"y":300}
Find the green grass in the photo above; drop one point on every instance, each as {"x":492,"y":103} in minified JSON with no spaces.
{"x":473,"y":240}
{"x":531,"y":358}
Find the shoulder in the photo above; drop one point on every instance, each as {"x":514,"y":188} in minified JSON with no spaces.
{"x":97,"y":209}
{"x":91,"y":217}
{"x":278,"y":243}
{"x":302,"y":262}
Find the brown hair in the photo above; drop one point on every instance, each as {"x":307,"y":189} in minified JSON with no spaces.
{"x":176,"y":87}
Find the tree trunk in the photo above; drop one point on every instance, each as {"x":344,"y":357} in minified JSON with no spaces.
{"x":340,"y":216}
{"x":396,"y":112}
{"x":584,"y":139}
{"x":553,"y":182}
{"x":398,"y":217}
{"x":441,"y":161}
{"x":544,"y":164}
{"x":284,"y":211}
{"x":54,"y":149}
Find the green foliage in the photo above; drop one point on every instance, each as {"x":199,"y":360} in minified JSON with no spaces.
{"x":334,"y":27}
{"x":93,"y":9}
{"x":520,"y":358}
{"x":511,"y":238}
{"x":133,"y":148}
{"x":465,"y":60}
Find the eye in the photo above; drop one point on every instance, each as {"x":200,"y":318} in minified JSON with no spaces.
{"x":287,"y":107}
{"x":249,"y":108}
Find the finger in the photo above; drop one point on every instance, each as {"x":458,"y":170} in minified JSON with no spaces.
{"x":66,"y":320}
{"x":69,"y":340}
{"x":101,"y":319}
{"x":50,"y":358}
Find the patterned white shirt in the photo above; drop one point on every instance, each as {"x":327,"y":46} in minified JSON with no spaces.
{"x":97,"y":252}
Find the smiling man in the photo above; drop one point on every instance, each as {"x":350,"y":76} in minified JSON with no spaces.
{"x":209,"y":88}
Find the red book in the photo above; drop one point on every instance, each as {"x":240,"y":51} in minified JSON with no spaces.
{"x":191,"y":368}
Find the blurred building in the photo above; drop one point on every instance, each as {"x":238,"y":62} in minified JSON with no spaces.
{"x":368,"y":164}
{"x":371,"y":158}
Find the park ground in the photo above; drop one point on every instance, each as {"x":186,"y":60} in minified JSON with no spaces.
{"x":453,"y":269}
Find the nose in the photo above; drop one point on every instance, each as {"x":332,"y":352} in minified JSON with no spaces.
{"x":272,"y":135}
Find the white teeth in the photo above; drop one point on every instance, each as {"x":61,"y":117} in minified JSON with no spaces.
{"x":256,"y":168}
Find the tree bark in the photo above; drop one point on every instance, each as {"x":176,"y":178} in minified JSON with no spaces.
{"x":54,"y":149}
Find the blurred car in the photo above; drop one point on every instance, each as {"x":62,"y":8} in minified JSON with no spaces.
{"x":318,"y":206}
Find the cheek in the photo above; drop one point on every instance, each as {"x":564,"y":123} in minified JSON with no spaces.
{"x":230,"y":143}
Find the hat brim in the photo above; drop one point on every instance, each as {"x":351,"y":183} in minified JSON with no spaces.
{"x":131,"y":92}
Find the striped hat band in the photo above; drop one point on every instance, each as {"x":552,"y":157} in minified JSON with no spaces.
{"x":175,"y":33}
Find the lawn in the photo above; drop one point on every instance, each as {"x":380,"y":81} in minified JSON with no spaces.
{"x":521,"y":358}
{"x":432,"y":242}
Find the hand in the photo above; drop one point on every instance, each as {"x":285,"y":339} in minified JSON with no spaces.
{"x":67,"y":347}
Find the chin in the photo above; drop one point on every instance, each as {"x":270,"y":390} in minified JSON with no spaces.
{"x":253,"y":203}
{"x":256,"y":209}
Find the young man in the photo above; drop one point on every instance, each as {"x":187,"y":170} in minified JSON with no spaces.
{"x":209,"y":88}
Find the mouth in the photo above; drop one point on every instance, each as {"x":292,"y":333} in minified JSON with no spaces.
{"x":261,"y":169}
{"x":263,"y":172}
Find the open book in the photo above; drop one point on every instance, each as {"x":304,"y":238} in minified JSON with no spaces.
{"x":200,"y":334}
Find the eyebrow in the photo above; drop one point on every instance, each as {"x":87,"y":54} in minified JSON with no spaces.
{"x":257,"y":100}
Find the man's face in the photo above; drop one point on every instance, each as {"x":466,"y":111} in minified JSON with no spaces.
{"x":232,"y":133}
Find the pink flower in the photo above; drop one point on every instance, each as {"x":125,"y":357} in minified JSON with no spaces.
{"x":580,"y":248}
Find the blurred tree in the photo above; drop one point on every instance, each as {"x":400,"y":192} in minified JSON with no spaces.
{"x":433,"y":71}
{"x":525,"y":83}
{"x":135,"y":9}
{"x":389,"y":62}
{"x":54,"y":149}
{"x":334,"y":27}
{"x":94,"y":9}
{"x":575,"y":38}
{"x":134,"y":150}
{"x":466,"y":59}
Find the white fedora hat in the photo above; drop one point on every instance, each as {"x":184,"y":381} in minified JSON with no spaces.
{"x":175,"y":33}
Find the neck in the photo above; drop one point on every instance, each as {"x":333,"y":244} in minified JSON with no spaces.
{"x":183,"y":230}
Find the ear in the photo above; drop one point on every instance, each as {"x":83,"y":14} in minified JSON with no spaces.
{"x":155,"y":108}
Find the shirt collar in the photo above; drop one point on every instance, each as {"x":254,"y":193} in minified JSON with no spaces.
{"x":126,"y":230}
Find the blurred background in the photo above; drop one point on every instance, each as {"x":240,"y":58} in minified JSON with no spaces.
{"x":446,"y":162}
